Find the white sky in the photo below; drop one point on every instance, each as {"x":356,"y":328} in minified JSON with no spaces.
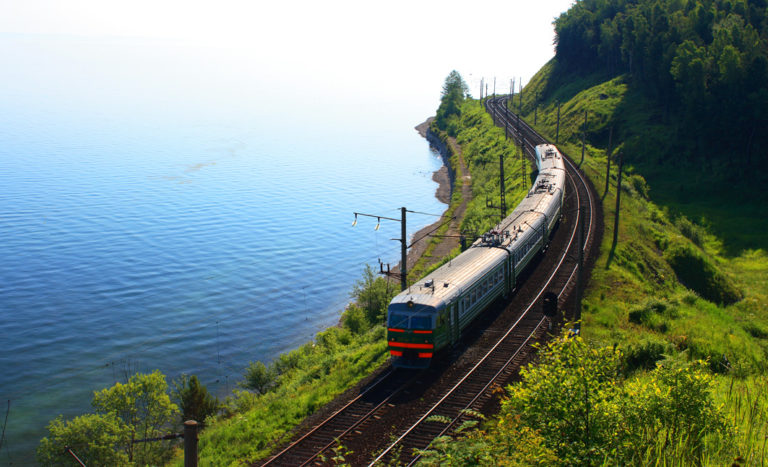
{"x":506,"y":39}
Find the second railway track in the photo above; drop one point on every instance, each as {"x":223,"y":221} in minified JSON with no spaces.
{"x":388,"y":419}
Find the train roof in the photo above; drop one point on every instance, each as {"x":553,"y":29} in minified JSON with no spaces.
{"x":453,"y":278}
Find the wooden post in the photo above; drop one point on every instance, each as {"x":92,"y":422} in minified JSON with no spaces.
{"x":580,"y":277}
{"x":502,"y":189}
{"x":608,"y":168}
{"x":618,"y":203}
{"x":190,"y":443}
{"x":403,"y":253}
{"x":583,"y":138}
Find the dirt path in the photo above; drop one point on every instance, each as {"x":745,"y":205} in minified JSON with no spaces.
{"x":444,"y":192}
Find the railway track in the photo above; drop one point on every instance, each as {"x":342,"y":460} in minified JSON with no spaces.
{"x":398,"y":405}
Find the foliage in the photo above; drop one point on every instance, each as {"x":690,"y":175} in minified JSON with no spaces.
{"x":301,"y":381}
{"x":126,"y":412}
{"x":195,"y":401}
{"x":96,"y":439}
{"x":706,"y":59}
{"x":259,"y":377}
{"x":454,"y":92}
{"x":699,"y":274}
{"x":372,"y":295}
{"x":143,"y":405}
{"x":483,"y":144}
{"x":586,"y":412}
{"x":502,"y":441}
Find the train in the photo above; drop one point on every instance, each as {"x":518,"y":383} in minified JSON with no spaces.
{"x":430,"y":315}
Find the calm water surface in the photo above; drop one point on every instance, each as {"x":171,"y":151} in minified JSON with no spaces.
{"x":173,"y":209}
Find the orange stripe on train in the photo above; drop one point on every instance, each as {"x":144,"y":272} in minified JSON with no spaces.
{"x":411,"y":346}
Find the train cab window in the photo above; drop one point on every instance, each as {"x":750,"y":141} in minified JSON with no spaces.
{"x":421,"y":322}
{"x":398,"y":320}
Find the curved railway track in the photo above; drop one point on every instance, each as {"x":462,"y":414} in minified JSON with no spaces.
{"x":391,"y":415}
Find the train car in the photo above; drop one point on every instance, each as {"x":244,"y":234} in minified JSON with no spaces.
{"x":431,"y":314}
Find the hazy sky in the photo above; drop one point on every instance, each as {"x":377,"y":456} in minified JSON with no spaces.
{"x":334,"y":39}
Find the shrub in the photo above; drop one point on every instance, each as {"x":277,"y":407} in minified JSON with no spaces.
{"x":259,"y":377}
{"x":643,"y":355}
{"x":693,"y":232}
{"x":193,"y":398}
{"x":698,"y":274}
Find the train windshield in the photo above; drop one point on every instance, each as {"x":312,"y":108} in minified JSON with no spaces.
{"x":398,"y":320}
{"x":409,"y":321}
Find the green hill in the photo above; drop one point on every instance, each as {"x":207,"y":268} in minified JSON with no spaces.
{"x":682,"y":298}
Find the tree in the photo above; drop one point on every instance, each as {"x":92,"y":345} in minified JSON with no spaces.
{"x":259,"y":377}
{"x":194,"y":399}
{"x":454,"y":92}
{"x":144,"y":407}
{"x":96,"y":439}
{"x":372,"y":295}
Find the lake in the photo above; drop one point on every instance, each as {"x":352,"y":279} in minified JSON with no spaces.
{"x":179,"y":209}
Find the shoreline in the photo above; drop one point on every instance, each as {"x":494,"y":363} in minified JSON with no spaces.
{"x":443,"y":194}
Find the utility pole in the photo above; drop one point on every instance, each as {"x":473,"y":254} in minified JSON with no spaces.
{"x":583,"y":137}
{"x":520,"y":105}
{"x":494,"y":86}
{"x":481,"y":89}
{"x":403,"y":253}
{"x":511,"y":88}
{"x":579,"y":277}
{"x":522,"y":159}
{"x":618,"y":203}
{"x":557,"y":133}
{"x":503,"y":206}
{"x":608,"y":168}
{"x":486,"y":89}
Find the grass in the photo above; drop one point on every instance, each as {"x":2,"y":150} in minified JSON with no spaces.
{"x":314,"y":374}
{"x":258,"y":422}
{"x":690,"y":271}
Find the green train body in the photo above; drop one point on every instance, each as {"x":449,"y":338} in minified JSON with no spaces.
{"x":432,"y":314}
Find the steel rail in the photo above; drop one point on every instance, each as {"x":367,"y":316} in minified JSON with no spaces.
{"x":327,"y":420}
{"x":532,"y":135}
{"x":514,"y":326}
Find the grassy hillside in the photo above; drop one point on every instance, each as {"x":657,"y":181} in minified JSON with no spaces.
{"x":687,"y":281}
{"x":675,"y":277}
{"x":298,"y":384}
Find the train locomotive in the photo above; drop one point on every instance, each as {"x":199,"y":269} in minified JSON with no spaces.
{"x":430,"y":315}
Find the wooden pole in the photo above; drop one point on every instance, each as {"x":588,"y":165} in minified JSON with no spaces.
{"x":618,"y":203}
{"x":403,"y":253}
{"x":583,"y":138}
{"x":608,"y":165}
{"x":190,"y":443}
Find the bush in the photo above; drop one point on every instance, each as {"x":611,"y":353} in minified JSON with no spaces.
{"x":354,"y":319}
{"x":95,"y":438}
{"x":698,"y":274}
{"x":259,"y":377}
{"x":193,"y":398}
{"x":691,"y":231}
{"x":643,"y":355}
{"x":653,"y":314}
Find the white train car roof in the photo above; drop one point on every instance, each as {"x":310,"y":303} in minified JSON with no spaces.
{"x":452,"y":279}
